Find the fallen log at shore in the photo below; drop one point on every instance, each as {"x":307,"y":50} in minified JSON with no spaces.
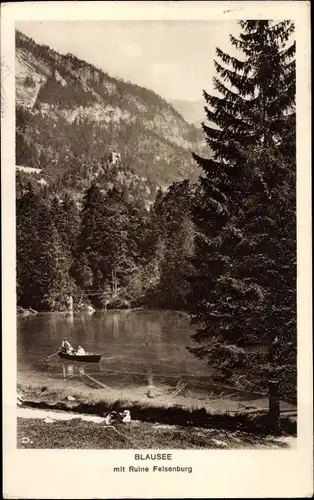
{"x":104,"y":386}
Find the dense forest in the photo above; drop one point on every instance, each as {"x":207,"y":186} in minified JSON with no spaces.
{"x":117,"y":251}
{"x":222,"y":248}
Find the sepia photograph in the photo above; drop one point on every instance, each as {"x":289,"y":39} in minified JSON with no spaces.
{"x":155,"y":227}
{"x":156,"y":234}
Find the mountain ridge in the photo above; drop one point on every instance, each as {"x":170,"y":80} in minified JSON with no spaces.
{"x":70,"y":112}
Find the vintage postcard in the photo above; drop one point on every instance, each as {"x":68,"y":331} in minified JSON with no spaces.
{"x":156,"y":216}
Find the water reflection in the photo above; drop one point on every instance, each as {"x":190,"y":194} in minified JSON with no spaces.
{"x":144,"y":345}
{"x":72,"y":370}
{"x":115,"y":325}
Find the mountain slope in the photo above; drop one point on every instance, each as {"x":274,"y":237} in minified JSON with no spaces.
{"x":71,"y":116}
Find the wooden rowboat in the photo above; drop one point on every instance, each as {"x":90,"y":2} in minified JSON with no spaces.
{"x":86,"y":358}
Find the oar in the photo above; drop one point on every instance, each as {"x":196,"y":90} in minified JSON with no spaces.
{"x":46,"y":359}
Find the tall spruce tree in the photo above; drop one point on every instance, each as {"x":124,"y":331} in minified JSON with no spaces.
{"x":244,"y":288}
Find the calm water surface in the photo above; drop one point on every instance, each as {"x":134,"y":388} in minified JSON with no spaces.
{"x":136,"y":345}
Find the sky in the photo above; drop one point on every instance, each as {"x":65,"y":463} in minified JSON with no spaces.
{"x":173,"y":58}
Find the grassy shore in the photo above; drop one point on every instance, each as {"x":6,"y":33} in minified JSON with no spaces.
{"x":76,"y":434}
{"x":71,"y":396}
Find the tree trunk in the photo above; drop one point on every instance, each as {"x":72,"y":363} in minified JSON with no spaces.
{"x":274,"y":404}
{"x":273,"y":386}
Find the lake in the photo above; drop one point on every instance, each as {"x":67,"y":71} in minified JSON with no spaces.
{"x":137,"y":345}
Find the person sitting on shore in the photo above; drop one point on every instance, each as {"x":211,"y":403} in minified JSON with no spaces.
{"x":66,"y":346}
{"x":80,"y":351}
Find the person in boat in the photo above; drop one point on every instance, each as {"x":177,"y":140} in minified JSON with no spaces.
{"x":80,"y":351}
{"x":66,"y":346}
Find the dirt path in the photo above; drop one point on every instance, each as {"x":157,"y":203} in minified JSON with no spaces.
{"x":56,"y":415}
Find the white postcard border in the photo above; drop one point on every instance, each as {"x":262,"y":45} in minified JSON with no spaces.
{"x":216,"y":473}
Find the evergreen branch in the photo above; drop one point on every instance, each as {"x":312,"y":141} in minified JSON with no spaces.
{"x":252,"y":25}
{"x":213,"y":190}
{"x":216,"y":171}
{"x":244,"y":84}
{"x":290,"y":67}
{"x":225,"y":151}
{"x":283,"y":30}
{"x":288,"y":53}
{"x":224,"y":118}
{"x":283,"y":102}
{"x":233,"y":100}
{"x":241,"y":45}
{"x":233,"y":61}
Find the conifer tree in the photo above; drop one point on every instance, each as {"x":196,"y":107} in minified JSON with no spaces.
{"x":42,"y":263}
{"x":176,"y":231}
{"x":242,"y":266}
{"x":88,"y":247}
{"x":66,"y":218}
{"x":119,"y":249}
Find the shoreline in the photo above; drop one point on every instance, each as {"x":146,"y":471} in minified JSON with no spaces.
{"x":70,"y":396}
{"x":22,"y":312}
